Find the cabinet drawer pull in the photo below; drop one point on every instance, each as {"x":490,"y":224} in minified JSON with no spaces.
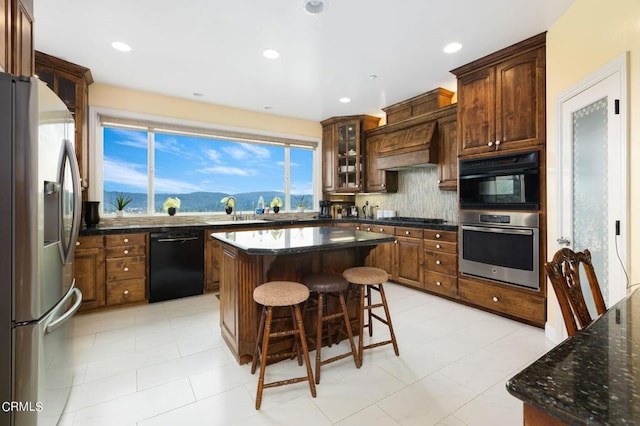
{"x":495,"y":299}
{"x":126,"y":269}
{"x":77,"y":243}
{"x":438,"y":246}
{"x":438,"y":262}
{"x":438,"y":283}
{"x":126,"y":240}
{"x":357,"y":228}
{"x":489,"y":144}
{"x":126,"y":292}
{"x":126,"y":252}
{"x":368,"y":229}
{"x":407,"y":233}
{"x":438,"y":236}
{"x":381,"y":229}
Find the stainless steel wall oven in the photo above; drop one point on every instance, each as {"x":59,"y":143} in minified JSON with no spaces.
{"x":500,"y":246}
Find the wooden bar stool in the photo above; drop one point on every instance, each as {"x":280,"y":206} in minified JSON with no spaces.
{"x":274,"y":294}
{"x":325,"y":286}
{"x":371,"y":279}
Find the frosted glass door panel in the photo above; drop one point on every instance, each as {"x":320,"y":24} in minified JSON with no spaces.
{"x":590,"y":193}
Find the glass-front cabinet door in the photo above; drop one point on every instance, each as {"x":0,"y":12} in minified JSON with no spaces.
{"x":349,"y":157}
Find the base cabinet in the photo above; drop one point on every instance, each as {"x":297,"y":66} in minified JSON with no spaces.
{"x":126,"y":256}
{"x":441,"y":262}
{"x":409,"y":257}
{"x":89,"y":271}
{"x":211,"y":263}
{"x":383,"y":254}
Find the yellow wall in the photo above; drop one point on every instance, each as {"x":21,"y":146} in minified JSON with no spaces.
{"x":589,"y":35}
{"x":107,"y":96}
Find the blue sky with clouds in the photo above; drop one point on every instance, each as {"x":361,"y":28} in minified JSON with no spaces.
{"x":185,"y":164}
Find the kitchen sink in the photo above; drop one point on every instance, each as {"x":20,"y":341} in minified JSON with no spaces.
{"x":235,"y":222}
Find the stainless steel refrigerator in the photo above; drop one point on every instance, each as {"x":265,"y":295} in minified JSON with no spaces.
{"x":39,"y":224}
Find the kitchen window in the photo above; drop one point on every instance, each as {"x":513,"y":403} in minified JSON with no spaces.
{"x":149,"y":161}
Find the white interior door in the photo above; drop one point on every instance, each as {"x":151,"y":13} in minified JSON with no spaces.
{"x":592,"y":174}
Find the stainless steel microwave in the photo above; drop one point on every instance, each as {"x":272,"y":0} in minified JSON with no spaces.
{"x":506,"y":182}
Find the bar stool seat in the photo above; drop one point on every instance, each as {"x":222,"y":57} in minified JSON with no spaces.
{"x":280,"y":294}
{"x":371,"y":279}
{"x":324,"y":286}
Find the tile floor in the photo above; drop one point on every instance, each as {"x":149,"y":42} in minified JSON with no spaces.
{"x":166,"y":364}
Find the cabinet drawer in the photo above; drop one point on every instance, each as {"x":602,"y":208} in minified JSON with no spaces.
{"x":126,"y":251}
{"x":448,"y":236}
{"x":503,"y":299}
{"x":440,"y":246}
{"x":126,"y":240}
{"x":408,"y":232}
{"x":381,"y":229}
{"x":440,"y":283}
{"x":126,"y":291}
{"x":90,"y":242}
{"x":444,"y":263}
{"x":126,"y":268}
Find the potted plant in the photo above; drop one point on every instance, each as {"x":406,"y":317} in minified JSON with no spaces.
{"x":275,"y":204}
{"x":171,"y":204}
{"x":120,"y":203}
{"x":229,"y":204}
{"x":300,"y":203}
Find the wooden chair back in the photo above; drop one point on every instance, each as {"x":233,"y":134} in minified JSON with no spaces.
{"x":564,"y":273}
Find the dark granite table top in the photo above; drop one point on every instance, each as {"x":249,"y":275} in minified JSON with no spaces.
{"x":592,"y":377}
{"x":300,"y":240}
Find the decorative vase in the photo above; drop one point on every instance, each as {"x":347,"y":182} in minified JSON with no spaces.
{"x":276,"y":209}
{"x":119,"y":213}
{"x":300,"y":209}
{"x":228,"y":209}
{"x":91,"y":213}
{"x":171,"y":210}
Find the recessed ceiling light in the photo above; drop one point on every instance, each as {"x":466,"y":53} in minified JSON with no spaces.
{"x":373,"y":77}
{"x":198,"y":94}
{"x":271,"y":53}
{"x":314,"y":7}
{"x":452,"y":47}
{"x":268,"y":107}
{"x":122,"y":47}
{"x":345,"y":100}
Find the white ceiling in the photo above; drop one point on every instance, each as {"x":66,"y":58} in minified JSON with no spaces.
{"x":214,"y":47}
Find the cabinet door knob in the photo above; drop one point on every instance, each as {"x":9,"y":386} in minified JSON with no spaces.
{"x":126,"y":252}
{"x":495,"y":299}
{"x":77,"y":243}
{"x":126,"y":292}
{"x":438,"y":246}
{"x":368,"y":229}
{"x":438,"y":236}
{"x":438,"y":262}
{"x":490,"y":144}
{"x":383,"y":185}
{"x":126,"y":269}
{"x":438,"y":283}
{"x":357,"y":227}
{"x":407,"y":233}
{"x":497,"y":144}
{"x":126,"y":240}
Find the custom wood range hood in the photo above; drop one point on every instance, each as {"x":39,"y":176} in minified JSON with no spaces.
{"x":410,"y":137}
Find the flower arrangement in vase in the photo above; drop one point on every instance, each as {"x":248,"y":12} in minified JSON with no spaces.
{"x":300,"y":204}
{"x":229,"y":204}
{"x":120,"y":204}
{"x":171,"y":204}
{"x":276,"y":204}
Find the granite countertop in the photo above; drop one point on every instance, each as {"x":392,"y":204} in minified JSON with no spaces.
{"x":300,"y":240}
{"x":592,"y":377}
{"x":187,"y":223}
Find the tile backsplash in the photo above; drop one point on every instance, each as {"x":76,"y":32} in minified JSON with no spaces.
{"x":418,"y":196}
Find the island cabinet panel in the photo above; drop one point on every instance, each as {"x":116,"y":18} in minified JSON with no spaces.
{"x":126,"y":271}
{"x":514,"y":302}
{"x":501,"y":99}
{"x":382,"y":256}
{"x":409,"y":257}
{"x":211,"y":263}
{"x":89,"y":271}
{"x":441,"y":262}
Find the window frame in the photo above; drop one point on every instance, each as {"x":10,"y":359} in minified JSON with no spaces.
{"x":172,"y":125}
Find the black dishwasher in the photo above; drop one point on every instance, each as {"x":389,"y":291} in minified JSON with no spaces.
{"x":176,"y":265}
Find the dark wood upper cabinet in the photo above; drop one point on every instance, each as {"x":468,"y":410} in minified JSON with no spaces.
{"x":501,"y":99}
{"x":16,"y":36}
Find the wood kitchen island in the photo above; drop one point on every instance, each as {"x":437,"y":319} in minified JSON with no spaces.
{"x":251,"y":258}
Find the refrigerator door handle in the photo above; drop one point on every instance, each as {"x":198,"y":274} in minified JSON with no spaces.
{"x":70,"y":154}
{"x":53,"y":325}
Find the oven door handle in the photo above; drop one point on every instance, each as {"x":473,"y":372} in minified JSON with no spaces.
{"x":497,"y":230}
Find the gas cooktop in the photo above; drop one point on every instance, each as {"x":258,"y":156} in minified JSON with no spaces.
{"x":414,"y":219}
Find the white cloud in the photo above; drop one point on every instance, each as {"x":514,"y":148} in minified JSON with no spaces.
{"x":135,"y":175}
{"x":244,"y":151}
{"x":257,"y":150}
{"x":132,"y":139}
{"x":212,"y":154}
{"x":227,"y":170}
